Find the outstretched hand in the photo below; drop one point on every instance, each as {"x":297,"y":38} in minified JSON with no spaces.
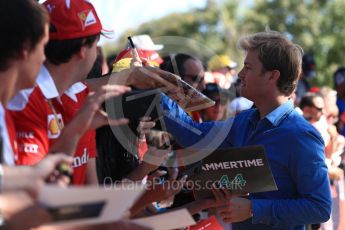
{"x":145,"y":77}
{"x":16,"y":178}
{"x":91,"y":116}
{"x":232,"y":208}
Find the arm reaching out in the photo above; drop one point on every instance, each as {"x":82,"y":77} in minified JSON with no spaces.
{"x":90,"y":116}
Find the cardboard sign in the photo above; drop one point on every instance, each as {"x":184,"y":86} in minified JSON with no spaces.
{"x":186,"y":96}
{"x":241,"y":170}
{"x":84,"y":205}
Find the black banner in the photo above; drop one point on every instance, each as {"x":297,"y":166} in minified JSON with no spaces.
{"x":241,"y":170}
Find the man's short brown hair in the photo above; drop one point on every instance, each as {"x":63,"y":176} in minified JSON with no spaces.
{"x":22,"y":24}
{"x":276,"y":52}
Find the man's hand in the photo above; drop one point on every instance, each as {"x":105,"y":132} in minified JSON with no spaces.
{"x":21,"y":212}
{"x":48,"y":169}
{"x":158,"y":192}
{"x":234,"y":208}
{"x":31,"y":178}
{"x":140,"y":77}
{"x":171,"y":187}
{"x":155,"y":157}
{"x":145,"y":125}
{"x":90,"y":116}
{"x":199,"y":205}
{"x":335,"y":173}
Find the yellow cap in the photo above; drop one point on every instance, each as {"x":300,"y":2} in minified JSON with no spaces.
{"x":221,"y":61}
{"x":125,"y":63}
{"x":122,"y":64}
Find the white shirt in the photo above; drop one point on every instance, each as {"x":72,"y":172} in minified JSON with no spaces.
{"x":8,"y":155}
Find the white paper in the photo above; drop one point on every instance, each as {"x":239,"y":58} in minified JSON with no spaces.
{"x":117,"y":200}
{"x":170,"y":220}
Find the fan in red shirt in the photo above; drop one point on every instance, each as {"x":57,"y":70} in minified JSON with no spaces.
{"x":41,"y":118}
{"x":42,"y":112}
{"x":53,"y":114}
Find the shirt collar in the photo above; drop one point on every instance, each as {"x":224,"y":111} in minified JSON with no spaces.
{"x":277,"y":115}
{"x":75,"y":89}
{"x":274,"y":117}
{"x":46,"y":83}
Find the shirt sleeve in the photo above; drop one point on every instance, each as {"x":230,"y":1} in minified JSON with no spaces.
{"x":190,"y":134}
{"x":309,"y":172}
{"x":32,"y":137}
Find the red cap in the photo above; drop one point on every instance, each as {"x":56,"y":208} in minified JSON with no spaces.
{"x":71,"y":19}
{"x":150,"y":55}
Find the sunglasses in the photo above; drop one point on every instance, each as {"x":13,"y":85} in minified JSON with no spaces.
{"x":318,"y":108}
{"x":220,"y":101}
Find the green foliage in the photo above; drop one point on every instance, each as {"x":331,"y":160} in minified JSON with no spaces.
{"x":318,"y":26}
{"x":214,"y":27}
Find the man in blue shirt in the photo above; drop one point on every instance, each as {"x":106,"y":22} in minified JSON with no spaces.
{"x":295,"y":150}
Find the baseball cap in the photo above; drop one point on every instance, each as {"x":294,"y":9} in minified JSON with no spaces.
{"x":339,"y":76}
{"x":220,"y":61}
{"x":123,"y":59}
{"x":144,"y":42}
{"x":70,"y":19}
{"x":125,"y":56}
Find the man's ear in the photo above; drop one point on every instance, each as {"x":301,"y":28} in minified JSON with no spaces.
{"x":82,"y":52}
{"x":275,"y":75}
{"x":24,"y":54}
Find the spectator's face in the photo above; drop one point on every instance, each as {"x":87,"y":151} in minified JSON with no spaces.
{"x":318,"y":109}
{"x":32,"y":62}
{"x":226,"y":71}
{"x":216,"y":112}
{"x":89,"y":59}
{"x":314,"y":113}
{"x":194,"y":74}
{"x":254,"y":80}
{"x":332,"y":115}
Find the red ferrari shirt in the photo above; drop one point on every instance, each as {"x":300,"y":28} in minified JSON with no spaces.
{"x":40,"y":114}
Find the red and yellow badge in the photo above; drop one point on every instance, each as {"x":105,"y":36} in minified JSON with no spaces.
{"x":82,"y":16}
{"x":87,"y":18}
{"x":55,"y":125}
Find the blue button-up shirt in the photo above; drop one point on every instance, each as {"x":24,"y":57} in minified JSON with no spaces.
{"x":294,"y":149}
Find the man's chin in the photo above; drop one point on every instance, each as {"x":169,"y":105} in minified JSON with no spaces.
{"x":28,"y":84}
